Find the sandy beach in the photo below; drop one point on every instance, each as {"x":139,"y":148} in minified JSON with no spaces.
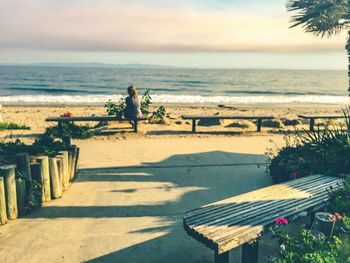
{"x":34,"y":117}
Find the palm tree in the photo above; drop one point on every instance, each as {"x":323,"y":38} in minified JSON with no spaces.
{"x":323,"y":18}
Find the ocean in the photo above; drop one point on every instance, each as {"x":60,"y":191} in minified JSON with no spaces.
{"x":39,"y":85}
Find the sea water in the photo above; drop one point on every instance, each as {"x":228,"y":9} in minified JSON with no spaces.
{"x":39,"y":85}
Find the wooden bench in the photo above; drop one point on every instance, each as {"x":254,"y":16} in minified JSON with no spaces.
{"x":194,"y":119}
{"x":241,"y":220}
{"x":61,"y":120}
{"x":312,"y":118}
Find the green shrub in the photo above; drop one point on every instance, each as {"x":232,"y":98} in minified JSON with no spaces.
{"x":12,"y":126}
{"x":323,"y":151}
{"x":305,"y":248}
{"x":69,"y":130}
{"x":340,"y":201}
{"x":116,"y":109}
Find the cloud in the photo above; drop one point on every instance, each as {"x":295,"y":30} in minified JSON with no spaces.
{"x":150,"y":27}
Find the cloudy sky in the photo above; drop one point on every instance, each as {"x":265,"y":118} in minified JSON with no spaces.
{"x":197,"y":33}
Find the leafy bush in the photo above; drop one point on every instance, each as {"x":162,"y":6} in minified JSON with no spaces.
{"x":116,"y":108}
{"x":306,"y":248}
{"x":69,"y":130}
{"x":146,"y":102}
{"x":12,"y":126}
{"x":323,"y":151}
{"x":340,"y":200}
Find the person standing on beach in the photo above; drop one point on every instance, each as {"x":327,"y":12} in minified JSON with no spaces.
{"x":133,"y":105}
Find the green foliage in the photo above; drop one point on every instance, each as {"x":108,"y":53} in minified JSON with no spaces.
{"x":146,"y":101}
{"x":116,"y":108}
{"x":322,"y":18}
{"x":159,"y":113}
{"x":323,"y":151}
{"x":340,"y":201}
{"x":12,"y":126}
{"x":306,"y":248}
{"x":34,"y":196}
{"x":69,"y":130}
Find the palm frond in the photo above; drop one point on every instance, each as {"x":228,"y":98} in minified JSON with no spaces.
{"x":320,"y":17}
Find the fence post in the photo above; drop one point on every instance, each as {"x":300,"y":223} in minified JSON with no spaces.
{"x":38,"y":177}
{"x":8,"y":172}
{"x":21,"y":195}
{"x":54,"y":179}
{"x":45,"y":171}
{"x":65,"y":166}
{"x":3,"y":215}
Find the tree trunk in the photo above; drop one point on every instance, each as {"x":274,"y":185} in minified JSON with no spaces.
{"x":348,"y":52}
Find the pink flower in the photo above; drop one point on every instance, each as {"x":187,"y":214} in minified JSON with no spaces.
{"x":281,"y":221}
{"x":295,"y":174}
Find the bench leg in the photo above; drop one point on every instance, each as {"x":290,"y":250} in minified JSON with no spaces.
{"x":135,"y":126}
{"x":259,"y":124}
{"x":193,"y":126}
{"x":250,"y":253}
{"x":222,"y":258}
{"x":312,"y":124}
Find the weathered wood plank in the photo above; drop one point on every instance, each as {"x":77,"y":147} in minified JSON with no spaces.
{"x":254,"y":207}
{"x":234,"y":221}
{"x":261,"y":193}
{"x":198,"y":117}
{"x":65,"y":165}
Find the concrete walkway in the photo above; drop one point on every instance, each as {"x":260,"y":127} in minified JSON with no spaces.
{"x":128,"y":201}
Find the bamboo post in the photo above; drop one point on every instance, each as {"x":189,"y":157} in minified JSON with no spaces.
{"x":3,"y":215}
{"x":8,"y":172}
{"x":21,"y":195}
{"x":65,"y":166}
{"x":38,"y":177}
{"x":56,"y":191}
{"x":44,"y":161}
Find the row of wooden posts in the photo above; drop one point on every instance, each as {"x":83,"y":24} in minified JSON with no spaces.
{"x":54,"y":174}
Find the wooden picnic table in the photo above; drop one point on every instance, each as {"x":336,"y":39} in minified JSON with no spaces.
{"x":194,"y":119}
{"x":241,"y":220}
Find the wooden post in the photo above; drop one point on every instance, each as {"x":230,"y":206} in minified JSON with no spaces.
{"x":70,"y":168}
{"x":193,"y":125}
{"x":8,"y":172}
{"x":259,"y":124}
{"x":21,"y":195}
{"x":222,"y":258}
{"x":23,"y":166}
{"x":250,"y":252}
{"x":3,"y":215}
{"x":73,"y":150}
{"x":37,"y":175}
{"x":56,"y":191}
{"x":45,"y":170}
{"x":77,"y":161}
{"x":59,"y":159}
{"x":65,"y":164}
{"x":312,"y":124}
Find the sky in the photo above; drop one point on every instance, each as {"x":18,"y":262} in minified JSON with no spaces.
{"x":184,"y":33}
